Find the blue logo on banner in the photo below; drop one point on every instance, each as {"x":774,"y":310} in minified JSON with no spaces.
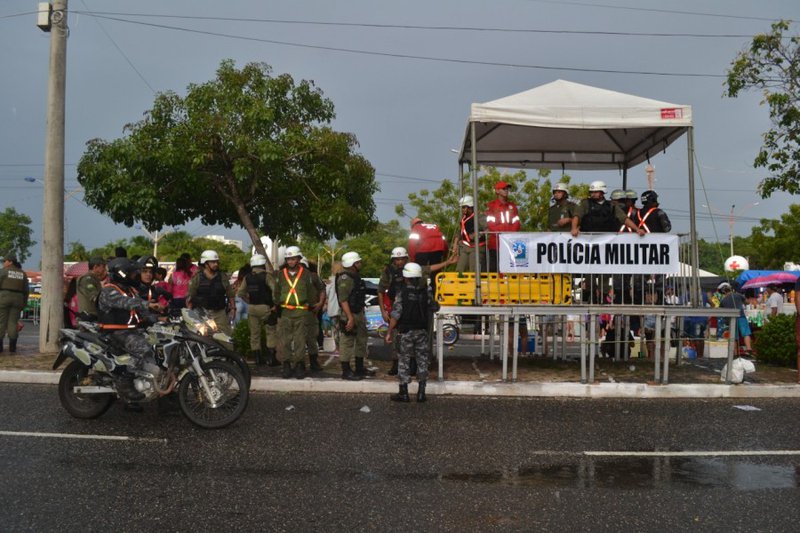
{"x":519,"y":250}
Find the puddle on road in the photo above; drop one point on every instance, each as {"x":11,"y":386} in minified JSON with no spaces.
{"x":643,"y":473}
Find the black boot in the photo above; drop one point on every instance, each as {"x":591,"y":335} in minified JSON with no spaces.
{"x":393,"y":370}
{"x":272,"y":359}
{"x":300,"y":370}
{"x":361,"y":370}
{"x":258,"y":358}
{"x":313,"y":363}
{"x":127,"y":390}
{"x":412,"y":367}
{"x":287,"y":370}
{"x":421,"y":392}
{"x":402,"y":395}
{"x":347,"y":373}
{"x":12,"y":345}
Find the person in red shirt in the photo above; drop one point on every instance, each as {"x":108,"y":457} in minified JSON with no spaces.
{"x":501,"y":216}
{"x":426,"y":244}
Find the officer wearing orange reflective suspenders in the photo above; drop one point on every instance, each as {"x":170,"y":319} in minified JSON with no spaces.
{"x":293,"y":289}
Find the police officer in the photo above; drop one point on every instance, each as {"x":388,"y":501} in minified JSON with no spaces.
{"x":147,"y":288}
{"x":559,"y":216}
{"x":597,"y":215}
{"x":650,"y":217}
{"x":351,"y":291}
{"x":629,"y":206}
{"x":411,"y":312}
{"x":121,"y":310}
{"x":255,"y":290}
{"x":89,"y":285}
{"x":210,"y":290}
{"x":391,"y":281}
{"x":318,"y":301}
{"x":293,"y":292}
{"x":466,"y":242}
{"x":14,"y":288}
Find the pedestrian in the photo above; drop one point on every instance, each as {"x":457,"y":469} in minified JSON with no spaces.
{"x":71,"y":304}
{"x":293,"y":292}
{"x":14,"y":289}
{"x":210,"y":290}
{"x":317,"y":301}
{"x":502,"y":216}
{"x":179,"y":280}
{"x":240,"y":305}
{"x":89,"y":286}
{"x":351,"y":292}
{"x":333,"y":308}
{"x":466,"y":243}
{"x":774,"y":301}
{"x":733,"y":300}
{"x":255,"y":290}
{"x":412,"y":310}
{"x":426,"y":243}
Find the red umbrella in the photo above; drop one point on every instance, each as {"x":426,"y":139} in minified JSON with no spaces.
{"x":776,"y":278}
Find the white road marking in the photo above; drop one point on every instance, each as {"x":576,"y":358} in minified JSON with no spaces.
{"x":697,"y":453}
{"x":76,"y":436}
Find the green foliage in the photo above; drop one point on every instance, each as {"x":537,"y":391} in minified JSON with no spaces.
{"x":775,"y":343}
{"x":774,"y":242}
{"x":241,"y":338}
{"x":375,"y":246}
{"x":771,"y":65}
{"x":15,"y":234}
{"x":245,"y":148}
{"x":532,"y":195}
{"x":712,"y":255}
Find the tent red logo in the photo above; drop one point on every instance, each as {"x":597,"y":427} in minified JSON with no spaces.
{"x":671,"y":112}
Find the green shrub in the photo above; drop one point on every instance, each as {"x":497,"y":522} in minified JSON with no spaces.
{"x":241,"y":338}
{"x":775,"y":343}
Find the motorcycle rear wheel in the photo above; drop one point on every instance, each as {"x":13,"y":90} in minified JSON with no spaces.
{"x":224,"y":379}
{"x":450,"y":334}
{"x":81,"y":405}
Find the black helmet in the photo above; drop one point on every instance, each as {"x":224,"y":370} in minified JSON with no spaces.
{"x":148,"y":261}
{"x":649,"y":197}
{"x":122,"y":270}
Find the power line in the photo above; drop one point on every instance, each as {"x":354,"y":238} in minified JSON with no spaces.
{"x":411,"y":56}
{"x":419,"y":26}
{"x":18,"y":15}
{"x":653,"y":10}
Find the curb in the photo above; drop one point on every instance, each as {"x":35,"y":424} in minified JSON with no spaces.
{"x":483,"y":388}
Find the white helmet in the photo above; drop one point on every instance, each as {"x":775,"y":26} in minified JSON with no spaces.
{"x":412,"y":270}
{"x":467,"y":201}
{"x":399,"y":252}
{"x":304,"y":261}
{"x":560,"y":186}
{"x":597,"y":186}
{"x":208,"y":255}
{"x":292,"y":251}
{"x":350,"y":258}
{"x":258,"y":260}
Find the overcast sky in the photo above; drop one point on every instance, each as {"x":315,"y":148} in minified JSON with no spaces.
{"x":407,"y":112}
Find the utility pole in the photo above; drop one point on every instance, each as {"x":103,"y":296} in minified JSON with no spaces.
{"x":52,"y":314}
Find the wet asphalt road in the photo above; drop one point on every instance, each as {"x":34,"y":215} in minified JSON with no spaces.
{"x":453,"y":464}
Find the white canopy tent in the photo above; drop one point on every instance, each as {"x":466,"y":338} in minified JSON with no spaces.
{"x":573,"y":126}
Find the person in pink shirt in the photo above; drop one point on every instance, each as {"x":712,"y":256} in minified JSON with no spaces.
{"x":179,"y":281}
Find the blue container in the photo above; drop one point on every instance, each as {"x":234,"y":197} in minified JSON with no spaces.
{"x":531,"y":345}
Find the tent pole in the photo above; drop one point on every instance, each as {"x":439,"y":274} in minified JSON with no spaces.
{"x":475,"y":225}
{"x":695,"y":259}
{"x":625,"y":177}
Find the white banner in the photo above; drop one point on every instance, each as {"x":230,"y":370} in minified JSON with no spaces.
{"x":604,"y":253}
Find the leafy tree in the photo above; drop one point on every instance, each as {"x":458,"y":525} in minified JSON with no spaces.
{"x":375,"y":246}
{"x":531,"y":194}
{"x":15,"y":234}
{"x":77,"y":252}
{"x":712,"y":256}
{"x":774,"y":242}
{"x":772,"y":65}
{"x":246,"y":148}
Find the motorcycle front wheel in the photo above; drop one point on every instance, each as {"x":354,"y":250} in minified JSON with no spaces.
{"x":449,"y":334}
{"x":228,"y":395}
{"x":81,"y":405}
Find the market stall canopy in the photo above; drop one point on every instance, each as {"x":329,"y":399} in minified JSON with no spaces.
{"x":568,"y":125}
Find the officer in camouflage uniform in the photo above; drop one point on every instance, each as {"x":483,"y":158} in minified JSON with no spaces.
{"x":255,"y":290}
{"x":14,"y":288}
{"x":293,"y":290}
{"x":89,"y":285}
{"x":351,"y":291}
{"x":210,"y":290}
{"x":411,"y":312}
{"x":317,"y":300}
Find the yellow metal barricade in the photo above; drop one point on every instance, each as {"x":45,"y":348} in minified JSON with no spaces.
{"x":453,"y":288}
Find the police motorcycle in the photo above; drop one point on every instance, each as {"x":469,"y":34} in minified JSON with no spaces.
{"x":211,"y":388}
